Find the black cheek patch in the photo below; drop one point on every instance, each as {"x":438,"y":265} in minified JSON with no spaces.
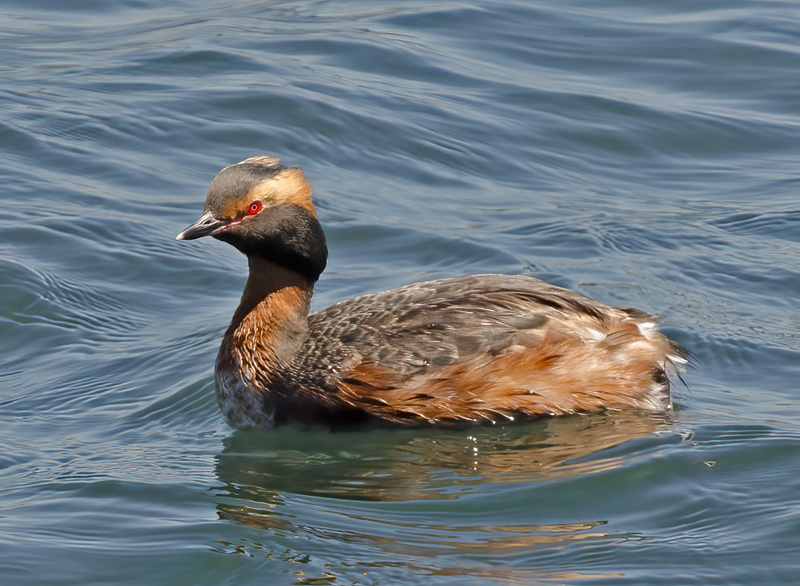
{"x":287,"y":235}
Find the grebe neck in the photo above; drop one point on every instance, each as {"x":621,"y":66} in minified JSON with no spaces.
{"x":271,"y":321}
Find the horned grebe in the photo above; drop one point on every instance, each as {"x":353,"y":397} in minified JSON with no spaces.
{"x":483,"y":348}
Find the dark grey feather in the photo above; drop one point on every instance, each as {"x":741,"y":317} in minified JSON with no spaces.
{"x":431,"y":324}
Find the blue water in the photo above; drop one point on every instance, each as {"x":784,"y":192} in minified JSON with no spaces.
{"x":645,"y":154}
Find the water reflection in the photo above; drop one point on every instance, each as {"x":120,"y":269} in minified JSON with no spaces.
{"x":400,"y":465}
{"x":389,"y":499}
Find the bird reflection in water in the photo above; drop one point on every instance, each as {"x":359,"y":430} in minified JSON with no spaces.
{"x":314,"y":484}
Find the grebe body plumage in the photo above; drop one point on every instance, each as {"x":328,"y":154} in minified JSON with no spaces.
{"x":483,"y":348}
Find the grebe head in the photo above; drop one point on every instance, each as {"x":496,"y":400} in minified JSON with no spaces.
{"x":264,"y":209}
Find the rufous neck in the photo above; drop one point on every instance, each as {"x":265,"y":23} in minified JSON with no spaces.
{"x":273,"y":293}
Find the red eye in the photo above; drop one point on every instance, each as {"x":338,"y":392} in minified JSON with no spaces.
{"x":254,"y":208}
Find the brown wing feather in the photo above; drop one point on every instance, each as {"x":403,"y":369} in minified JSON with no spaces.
{"x":526,"y":383}
{"x":555,"y":372}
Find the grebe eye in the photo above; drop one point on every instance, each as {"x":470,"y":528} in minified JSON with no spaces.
{"x":254,"y":208}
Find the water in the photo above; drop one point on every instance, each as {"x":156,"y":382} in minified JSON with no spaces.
{"x":642,"y":153}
